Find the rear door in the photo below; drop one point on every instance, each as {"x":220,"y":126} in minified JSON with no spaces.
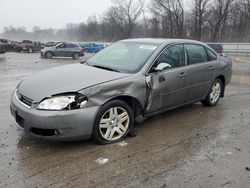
{"x":200,"y":71}
{"x":167,"y":87}
{"x":69,"y":49}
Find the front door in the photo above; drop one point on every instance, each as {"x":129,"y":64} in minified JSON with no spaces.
{"x":59,"y":50}
{"x":166,"y":87}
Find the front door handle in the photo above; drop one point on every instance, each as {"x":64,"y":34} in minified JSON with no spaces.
{"x":211,"y":68}
{"x":183,"y":74}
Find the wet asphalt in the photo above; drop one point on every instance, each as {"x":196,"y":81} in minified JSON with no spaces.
{"x":193,"y":146}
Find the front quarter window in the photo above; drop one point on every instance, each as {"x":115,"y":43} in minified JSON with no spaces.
{"x":174,"y":56}
{"x":127,"y":57}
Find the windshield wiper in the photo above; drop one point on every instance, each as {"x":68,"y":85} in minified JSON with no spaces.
{"x":105,"y":68}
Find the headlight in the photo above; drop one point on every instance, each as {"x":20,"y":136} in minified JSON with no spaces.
{"x":67,"y":102}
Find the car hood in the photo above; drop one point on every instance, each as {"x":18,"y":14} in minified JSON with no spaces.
{"x":65,"y":79}
{"x":47,"y":48}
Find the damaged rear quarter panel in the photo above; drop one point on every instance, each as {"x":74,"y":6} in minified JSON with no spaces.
{"x":133,"y":86}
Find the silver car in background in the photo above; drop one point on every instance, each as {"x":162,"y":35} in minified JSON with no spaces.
{"x":63,"y":50}
{"x":126,"y":82}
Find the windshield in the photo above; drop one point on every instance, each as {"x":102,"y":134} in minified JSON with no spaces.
{"x":126,"y":57}
{"x":58,"y":45}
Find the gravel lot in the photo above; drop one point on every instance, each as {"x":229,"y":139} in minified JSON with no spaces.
{"x":193,"y":146}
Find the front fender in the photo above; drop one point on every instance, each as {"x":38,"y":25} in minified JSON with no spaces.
{"x":133,"y":86}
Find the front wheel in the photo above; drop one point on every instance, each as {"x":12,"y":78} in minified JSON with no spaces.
{"x":113,"y":122}
{"x":48,"y":55}
{"x":76,"y":56}
{"x":214,"y":94}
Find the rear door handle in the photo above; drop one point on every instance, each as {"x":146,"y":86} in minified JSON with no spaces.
{"x":211,"y":68}
{"x":183,"y":74}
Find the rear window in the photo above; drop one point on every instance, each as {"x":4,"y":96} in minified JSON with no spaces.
{"x":211,"y":55}
{"x":70,"y":46}
{"x":217,"y":47}
{"x":196,"y":54}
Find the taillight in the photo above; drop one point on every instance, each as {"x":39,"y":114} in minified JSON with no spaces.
{"x":222,"y":50}
{"x":81,"y":49}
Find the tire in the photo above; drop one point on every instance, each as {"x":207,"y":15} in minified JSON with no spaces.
{"x":76,"y":55}
{"x":48,"y":55}
{"x":108,"y":130}
{"x":214,"y":94}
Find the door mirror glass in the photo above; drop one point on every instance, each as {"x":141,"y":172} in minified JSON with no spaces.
{"x":162,"y":66}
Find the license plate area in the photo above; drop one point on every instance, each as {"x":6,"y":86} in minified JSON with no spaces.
{"x":13,"y":111}
{"x":19,"y":119}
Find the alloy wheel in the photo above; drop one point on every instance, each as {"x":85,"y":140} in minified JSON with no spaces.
{"x":215,"y":93}
{"x":114,"y":123}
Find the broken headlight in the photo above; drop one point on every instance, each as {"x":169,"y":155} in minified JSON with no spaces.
{"x":63,"y":102}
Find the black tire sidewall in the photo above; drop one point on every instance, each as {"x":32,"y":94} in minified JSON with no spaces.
{"x":78,"y":56}
{"x":46,"y":55}
{"x":97,"y":137}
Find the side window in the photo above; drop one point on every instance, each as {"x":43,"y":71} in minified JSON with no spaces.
{"x":196,"y":54}
{"x":69,"y":46}
{"x":173,"y":55}
{"x":211,"y":55}
{"x":62,"y":46}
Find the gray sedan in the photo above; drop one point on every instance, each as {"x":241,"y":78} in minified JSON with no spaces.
{"x":126,"y":82}
{"x":63,"y":50}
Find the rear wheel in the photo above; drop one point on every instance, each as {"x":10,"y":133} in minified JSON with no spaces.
{"x":30,"y":50}
{"x":76,"y":55}
{"x":214,"y":94}
{"x":113,"y":122}
{"x":48,"y":55}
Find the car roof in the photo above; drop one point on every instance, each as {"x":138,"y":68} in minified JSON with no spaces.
{"x":214,"y":44}
{"x":160,"y":41}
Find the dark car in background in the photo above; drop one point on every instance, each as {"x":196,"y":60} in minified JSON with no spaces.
{"x":2,"y":48}
{"x":30,"y":46}
{"x":63,"y":50}
{"x":218,"y":48}
{"x":17,"y":46}
{"x":49,"y":44}
{"x":8,"y":45}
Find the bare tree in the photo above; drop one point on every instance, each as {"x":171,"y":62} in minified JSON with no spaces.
{"x":207,"y":20}
{"x":246,"y":5}
{"x":218,"y":17}
{"x":198,"y":15}
{"x":124,"y":15}
{"x":171,"y":13}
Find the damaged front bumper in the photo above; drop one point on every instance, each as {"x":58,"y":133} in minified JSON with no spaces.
{"x":54,"y":125}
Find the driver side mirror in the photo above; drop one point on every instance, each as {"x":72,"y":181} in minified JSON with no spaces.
{"x":162,"y":66}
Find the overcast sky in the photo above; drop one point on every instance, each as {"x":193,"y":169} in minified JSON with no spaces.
{"x":51,"y":13}
{"x":48,"y":13}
